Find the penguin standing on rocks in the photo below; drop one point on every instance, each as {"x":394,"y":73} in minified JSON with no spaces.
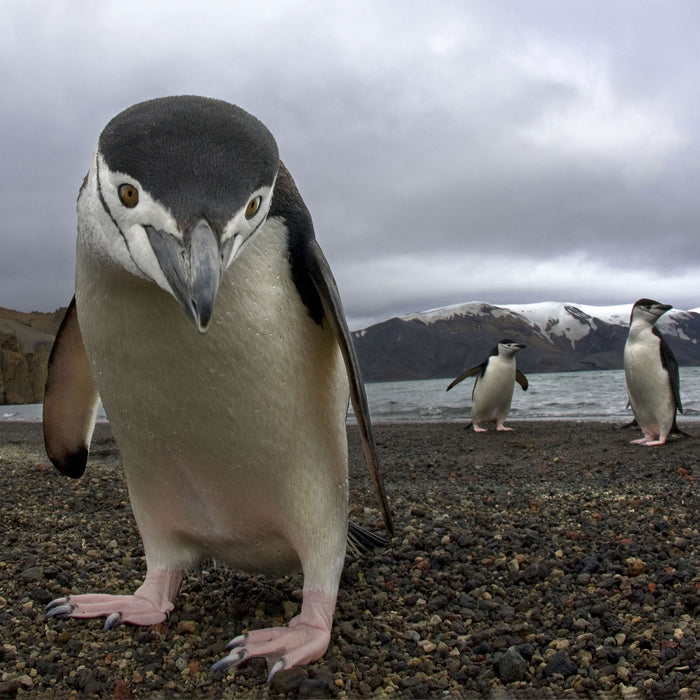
{"x":493,"y":387}
{"x":207,"y":320}
{"x":651,"y":373}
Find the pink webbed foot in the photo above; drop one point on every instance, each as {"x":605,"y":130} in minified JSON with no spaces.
{"x":478,"y":428}
{"x":305,"y":639}
{"x":649,"y":441}
{"x":149,"y":605}
{"x":503,"y":428}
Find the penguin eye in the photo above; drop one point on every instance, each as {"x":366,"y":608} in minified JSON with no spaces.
{"x":253,"y":206}
{"x":129,"y":196}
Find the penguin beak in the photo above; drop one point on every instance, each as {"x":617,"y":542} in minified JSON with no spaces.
{"x":193,"y":268}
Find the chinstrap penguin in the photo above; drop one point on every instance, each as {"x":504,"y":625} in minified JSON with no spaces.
{"x":493,"y":388}
{"x":651,"y":373}
{"x":207,"y":320}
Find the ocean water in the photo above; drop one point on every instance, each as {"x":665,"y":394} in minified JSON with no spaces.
{"x":596,"y":395}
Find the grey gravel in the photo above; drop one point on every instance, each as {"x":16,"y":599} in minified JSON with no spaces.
{"x":554,"y":561}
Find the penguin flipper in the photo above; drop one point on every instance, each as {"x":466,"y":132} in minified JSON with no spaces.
{"x":324,"y":283}
{"x":521,"y":379}
{"x":668,"y":360}
{"x":70,"y":399}
{"x":467,"y":373}
{"x":361,"y":540}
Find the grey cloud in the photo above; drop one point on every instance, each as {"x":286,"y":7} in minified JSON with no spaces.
{"x":424,"y":143}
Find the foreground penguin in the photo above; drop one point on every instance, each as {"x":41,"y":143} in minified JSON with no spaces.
{"x":651,"y":373}
{"x":493,"y":387}
{"x":230,"y":418}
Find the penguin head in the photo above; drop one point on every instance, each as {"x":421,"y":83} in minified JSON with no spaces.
{"x":648,"y":311}
{"x":177,"y":186}
{"x":508,"y":347}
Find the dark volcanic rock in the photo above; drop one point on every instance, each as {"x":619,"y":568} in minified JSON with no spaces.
{"x":511,"y":666}
{"x":444,"y":611}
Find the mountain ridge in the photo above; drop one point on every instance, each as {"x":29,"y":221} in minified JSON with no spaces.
{"x":560,"y":336}
{"x":433,"y":344}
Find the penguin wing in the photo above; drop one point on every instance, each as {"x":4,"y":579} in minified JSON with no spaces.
{"x":70,"y":399}
{"x":320,"y":273}
{"x":521,"y":379}
{"x":668,"y":360}
{"x":479,"y":369}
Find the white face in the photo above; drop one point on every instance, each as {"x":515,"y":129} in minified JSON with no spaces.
{"x":509,"y":349}
{"x":120,"y":221}
{"x":649,"y":313}
{"x":129,"y":210}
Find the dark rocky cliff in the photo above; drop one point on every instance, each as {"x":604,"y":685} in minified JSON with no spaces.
{"x":25,"y":344}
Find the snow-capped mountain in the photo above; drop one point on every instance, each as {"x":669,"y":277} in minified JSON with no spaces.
{"x":559,"y":337}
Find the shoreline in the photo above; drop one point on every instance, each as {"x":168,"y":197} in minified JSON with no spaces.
{"x":556,"y":559}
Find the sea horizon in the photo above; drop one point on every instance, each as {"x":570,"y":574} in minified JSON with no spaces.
{"x":591,"y":395}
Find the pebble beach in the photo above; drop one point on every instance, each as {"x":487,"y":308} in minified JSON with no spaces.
{"x":558,"y":560}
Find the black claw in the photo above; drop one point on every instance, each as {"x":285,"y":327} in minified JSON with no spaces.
{"x":236,"y":641}
{"x":55,"y":603}
{"x":276,"y":668}
{"x":59,"y":608}
{"x":231,"y":660}
{"x":112,"y":621}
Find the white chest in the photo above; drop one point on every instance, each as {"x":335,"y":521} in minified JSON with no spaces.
{"x":229,"y":438}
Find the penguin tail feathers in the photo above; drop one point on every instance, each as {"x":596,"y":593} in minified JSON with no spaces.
{"x":363,"y":541}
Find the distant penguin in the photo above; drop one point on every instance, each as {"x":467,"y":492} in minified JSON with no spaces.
{"x":651,"y":373}
{"x":230,"y":422}
{"x":493,"y":388}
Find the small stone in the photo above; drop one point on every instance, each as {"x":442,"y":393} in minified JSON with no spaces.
{"x":288,"y":680}
{"x":510,"y":666}
{"x":186,"y":626}
{"x":562,"y":664}
{"x":635,"y":566}
{"x":290,"y":609}
{"x":33,"y":573}
{"x":584,"y":658}
{"x":526,"y":650}
{"x":24,"y":681}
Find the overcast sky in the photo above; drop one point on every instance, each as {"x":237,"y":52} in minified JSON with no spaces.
{"x":508,"y":152}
